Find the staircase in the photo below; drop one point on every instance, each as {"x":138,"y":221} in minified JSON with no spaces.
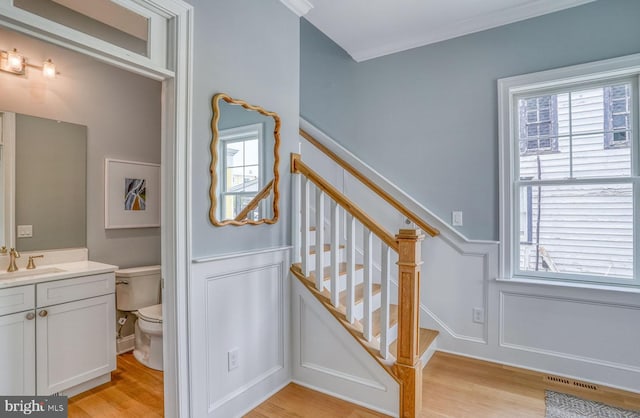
{"x":344,"y":258}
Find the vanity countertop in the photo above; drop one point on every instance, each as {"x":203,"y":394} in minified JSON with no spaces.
{"x":52,"y":272}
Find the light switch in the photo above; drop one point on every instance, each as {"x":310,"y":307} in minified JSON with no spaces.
{"x":456,"y":218}
{"x":25,"y":231}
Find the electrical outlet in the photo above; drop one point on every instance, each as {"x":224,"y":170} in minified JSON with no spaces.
{"x":478,"y":315}
{"x":233,"y":360}
{"x":25,"y":231}
{"x":456,"y":218}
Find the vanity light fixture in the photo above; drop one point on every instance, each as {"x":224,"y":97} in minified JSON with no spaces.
{"x":49,"y":69}
{"x":15,"y":63}
{"x":12,"y":62}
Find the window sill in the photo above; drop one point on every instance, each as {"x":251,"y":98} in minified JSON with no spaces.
{"x":573,"y":285}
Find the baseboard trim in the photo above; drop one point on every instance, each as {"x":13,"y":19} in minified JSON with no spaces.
{"x":542,"y":372}
{"x":125,"y":344}
{"x":344,"y":398}
{"x":264,"y":398}
{"x":85,"y":386}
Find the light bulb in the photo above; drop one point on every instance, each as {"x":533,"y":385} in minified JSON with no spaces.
{"x":15,"y":61}
{"x":49,"y":69}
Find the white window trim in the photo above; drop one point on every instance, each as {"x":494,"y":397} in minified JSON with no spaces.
{"x":508,"y":89}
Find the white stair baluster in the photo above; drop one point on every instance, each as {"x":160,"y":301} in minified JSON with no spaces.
{"x":351,"y":268}
{"x":306,"y":266}
{"x":384,"y":301}
{"x":319,"y":239}
{"x":367,"y":285}
{"x":297,"y":222}
{"x":335,"y":253}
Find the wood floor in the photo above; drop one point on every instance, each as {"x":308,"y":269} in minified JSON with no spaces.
{"x":134,"y":391}
{"x":453,"y":387}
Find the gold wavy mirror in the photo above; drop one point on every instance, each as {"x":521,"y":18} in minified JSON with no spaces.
{"x":244,"y":163}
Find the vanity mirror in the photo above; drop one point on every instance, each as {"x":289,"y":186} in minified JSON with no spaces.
{"x":244,"y":163}
{"x":44,"y":181}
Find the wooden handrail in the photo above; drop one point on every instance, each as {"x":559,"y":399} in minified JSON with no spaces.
{"x":377,"y":189}
{"x":297,"y":166}
{"x":254,"y":202}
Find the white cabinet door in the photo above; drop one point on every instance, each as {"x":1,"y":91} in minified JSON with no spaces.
{"x":76,"y":343}
{"x":18,"y":354}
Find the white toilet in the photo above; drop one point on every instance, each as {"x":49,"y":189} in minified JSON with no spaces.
{"x":138,"y":291}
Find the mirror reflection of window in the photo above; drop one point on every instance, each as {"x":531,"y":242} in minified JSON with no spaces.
{"x":242,"y":178}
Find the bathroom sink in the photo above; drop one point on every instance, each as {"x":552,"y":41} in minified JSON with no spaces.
{"x":27,"y":273}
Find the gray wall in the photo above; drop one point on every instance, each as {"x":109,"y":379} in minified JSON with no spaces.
{"x":122,"y":114}
{"x":427,"y":118}
{"x":248,"y":49}
{"x":51,"y":183}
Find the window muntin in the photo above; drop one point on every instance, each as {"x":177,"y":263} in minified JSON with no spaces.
{"x":573,"y":206}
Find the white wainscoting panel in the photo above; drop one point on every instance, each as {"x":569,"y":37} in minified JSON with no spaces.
{"x":572,"y":328}
{"x":328,"y":359}
{"x":239,"y":303}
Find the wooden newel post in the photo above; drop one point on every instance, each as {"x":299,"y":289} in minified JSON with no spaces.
{"x":408,"y":365}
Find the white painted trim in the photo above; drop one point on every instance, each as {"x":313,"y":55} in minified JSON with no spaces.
{"x":344,"y":398}
{"x":338,"y":374}
{"x":64,"y":36}
{"x":264,"y":398}
{"x":571,"y":285}
{"x":8,"y":160}
{"x":447,"y":232}
{"x":535,"y":369}
{"x":239,"y":254}
{"x":125,"y":344}
{"x":244,"y":388}
{"x":451,"y":332}
{"x":471,"y":25}
{"x":299,"y":7}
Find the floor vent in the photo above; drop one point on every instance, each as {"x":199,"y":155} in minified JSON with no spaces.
{"x":570,"y":382}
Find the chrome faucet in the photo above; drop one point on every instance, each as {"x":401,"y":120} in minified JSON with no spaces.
{"x":13,"y":254}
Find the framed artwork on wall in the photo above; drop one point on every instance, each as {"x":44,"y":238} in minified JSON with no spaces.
{"x":131,"y":194}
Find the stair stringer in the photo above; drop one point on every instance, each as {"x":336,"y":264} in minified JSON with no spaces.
{"x":327,"y":358}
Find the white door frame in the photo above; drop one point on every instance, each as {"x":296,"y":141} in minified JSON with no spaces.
{"x":176,"y":155}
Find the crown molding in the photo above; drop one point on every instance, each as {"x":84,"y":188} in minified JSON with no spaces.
{"x":468,"y":26}
{"x":299,"y":7}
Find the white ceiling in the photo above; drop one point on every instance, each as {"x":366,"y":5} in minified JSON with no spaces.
{"x":372,"y":28}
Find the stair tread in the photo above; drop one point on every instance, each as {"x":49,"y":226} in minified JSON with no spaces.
{"x":326,"y":272}
{"x":427,"y":336}
{"x":327,"y":248}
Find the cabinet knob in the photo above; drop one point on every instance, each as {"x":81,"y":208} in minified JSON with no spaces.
{"x":43,"y":313}
{"x":30,"y":316}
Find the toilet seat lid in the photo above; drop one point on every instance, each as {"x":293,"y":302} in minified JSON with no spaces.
{"x":151,"y":313}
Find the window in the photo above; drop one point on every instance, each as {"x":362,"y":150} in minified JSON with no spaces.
{"x":241,"y":171}
{"x":569,"y":174}
{"x":538,"y":124}
{"x":617,"y":112}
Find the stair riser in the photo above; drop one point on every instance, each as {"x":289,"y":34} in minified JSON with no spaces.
{"x":359,"y":308}
{"x":326,"y":258}
{"x":342,"y":281}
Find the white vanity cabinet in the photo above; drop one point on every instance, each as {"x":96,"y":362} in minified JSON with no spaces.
{"x":17,"y":341}
{"x":64,"y":342}
{"x":75,"y":332}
